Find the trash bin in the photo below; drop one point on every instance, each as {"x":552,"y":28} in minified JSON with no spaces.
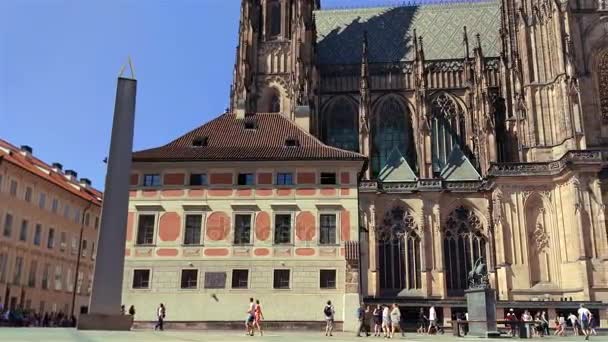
{"x":523,"y":330}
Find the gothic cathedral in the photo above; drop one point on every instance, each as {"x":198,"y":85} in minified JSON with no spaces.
{"x":485,"y":125}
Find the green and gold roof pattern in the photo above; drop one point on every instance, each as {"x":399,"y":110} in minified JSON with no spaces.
{"x":391,"y":29}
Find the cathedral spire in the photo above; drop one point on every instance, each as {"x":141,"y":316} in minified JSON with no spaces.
{"x":466,"y":43}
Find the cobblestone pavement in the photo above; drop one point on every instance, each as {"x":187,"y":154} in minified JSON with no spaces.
{"x":57,"y":335}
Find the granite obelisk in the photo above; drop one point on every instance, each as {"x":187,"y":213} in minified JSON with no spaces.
{"x":104,"y":309}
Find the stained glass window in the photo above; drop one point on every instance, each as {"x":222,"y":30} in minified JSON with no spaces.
{"x":341,"y":125}
{"x":447,"y":129}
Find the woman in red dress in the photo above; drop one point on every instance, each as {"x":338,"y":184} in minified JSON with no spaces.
{"x":258,"y":316}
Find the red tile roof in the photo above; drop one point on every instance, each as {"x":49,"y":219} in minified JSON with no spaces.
{"x":34,"y":166}
{"x":228,"y":139}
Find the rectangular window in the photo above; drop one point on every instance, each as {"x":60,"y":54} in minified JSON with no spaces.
{"x":79,"y":282}
{"x":58,"y":278}
{"x":13,"y":188}
{"x":282,"y":228}
{"x":77,"y":215}
{"x":145,"y":230}
{"x":84,"y":248}
{"x":3,"y":267}
{"x":63,"y":241}
{"x":66,"y":211}
{"x":45,"y":276}
{"x":87,"y":219}
{"x":74,"y":245}
{"x":198,"y":179}
{"x":192,"y":234}
{"x":31,"y":279}
{"x":242,"y":229}
{"x":38,"y":234}
{"x":284,"y":178}
{"x":189,"y":278}
{"x":152,"y":180}
{"x":23,"y":231}
{"x":328,"y":178}
{"x":96,"y":222}
{"x":92,"y":250}
{"x":215,"y":280}
{"x":55,"y":205}
{"x":328,"y":279}
{"x":28,"y":194}
{"x":246,"y":179}
{"x":50,"y":242}
{"x":8,"y":225}
{"x":42,"y":200}
{"x":18,"y":269}
{"x":281,"y":279}
{"x":141,"y":279}
{"x":327,"y":229}
{"x":240,"y":279}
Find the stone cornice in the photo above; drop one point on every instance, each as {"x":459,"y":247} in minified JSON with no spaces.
{"x":552,"y":168}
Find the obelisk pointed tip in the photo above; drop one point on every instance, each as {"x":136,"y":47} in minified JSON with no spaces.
{"x":131,"y":69}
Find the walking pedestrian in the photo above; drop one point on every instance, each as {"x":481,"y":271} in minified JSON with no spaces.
{"x":593,"y":323}
{"x":386,"y":321}
{"x":395,"y":319}
{"x":329,"y":312}
{"x":258,"y":317}
{"x":544,"y":324}
{"x":422,"y":322}
{"x":574,"y":322}
{"x":433,"y":321}
{"x":250,"y":317}
{"x":361,"y":311}
{"x":377,"y":317}
{"x":584,"y":316}
{"x":132,"y":310}
{"x":161,"y":313}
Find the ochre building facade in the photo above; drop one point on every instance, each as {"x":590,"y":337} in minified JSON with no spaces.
{"x":485,"y":127}
{"x":47,"y":216}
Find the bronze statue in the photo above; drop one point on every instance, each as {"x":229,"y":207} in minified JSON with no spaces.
{"x":478,"y":277}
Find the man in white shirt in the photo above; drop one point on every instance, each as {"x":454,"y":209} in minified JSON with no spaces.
{"x":386,"y":321}
{"x":160,"y":314}
{"x":574,"y":322}
{"x":432,"y":319}
{"x":584,"y":317}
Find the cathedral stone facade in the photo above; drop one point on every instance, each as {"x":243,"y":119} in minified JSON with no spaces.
{"x":485,"y":126}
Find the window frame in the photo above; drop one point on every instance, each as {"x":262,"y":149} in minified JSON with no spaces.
{"x":246,"y":175}
{"x":29,"y":193}
{"x":135,"y":270}
{"x":196,"y":279}
{"x":50,"y":238}
{"x":200,"y":174}
{"x":274,"y":279}
{"x":282,"y":173}
{"x":247,"y":281}
{"x":291,"y":228}
{"x":42,"y":200}
{"x":37,"y":236}
{"x":336,"y":214}
{"x":10,"y":226}
{"x":154,"y":228}
{"x":335,"y":273}
{"x":25,"y":224}
{"x":13,"y":188}
{"x":153,"y":184}
{"x":251,"y":215}
{"x":201,"y":228}
{"x":335,"y":176}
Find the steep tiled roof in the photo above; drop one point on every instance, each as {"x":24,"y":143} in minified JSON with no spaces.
{"x":228,"y":139}
{"x":390,"y":31}
{"x":12,"y":154}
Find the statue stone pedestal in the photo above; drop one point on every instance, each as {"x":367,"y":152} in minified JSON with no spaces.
{"x":481,"y":306}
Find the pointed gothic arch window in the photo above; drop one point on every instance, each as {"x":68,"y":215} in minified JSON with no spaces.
{"x":603,"y":83}
{"x":274,"y":17}
{"x":399,"y":252}
{"x":392,"y":128}
{"x":341,"y":125}
{"x":447,"y":129}
{"x":275,"y":103}
{"x":464,"y":242}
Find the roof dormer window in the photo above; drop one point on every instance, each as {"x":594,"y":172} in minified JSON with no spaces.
{"x":200,"y":142}
{"x":292,"y":142}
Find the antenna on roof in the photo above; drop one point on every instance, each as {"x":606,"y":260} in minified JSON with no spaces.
{"x":122,"y":69}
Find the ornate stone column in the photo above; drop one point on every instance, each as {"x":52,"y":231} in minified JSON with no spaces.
{"x":372,"y":276}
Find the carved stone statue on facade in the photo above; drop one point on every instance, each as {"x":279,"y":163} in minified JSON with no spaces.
{"x":478,"y":277}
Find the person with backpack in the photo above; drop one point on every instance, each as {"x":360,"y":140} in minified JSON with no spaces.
{"x":132,"y":310}
{"x":584,"y":316}
{"x":161,"y":313}
{"x":329,"y":312}
{"x":361,"y":311}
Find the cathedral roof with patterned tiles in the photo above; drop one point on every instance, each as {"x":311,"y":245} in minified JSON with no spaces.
{"x":259,"y":137}
{"x":390,"y":31}
{"x":12,"y":154}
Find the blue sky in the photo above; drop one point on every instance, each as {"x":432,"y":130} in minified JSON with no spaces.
{"x":59,"y":60}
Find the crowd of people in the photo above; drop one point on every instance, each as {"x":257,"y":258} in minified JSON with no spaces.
{"x":19,"y":317}
{"x":581,"y":323}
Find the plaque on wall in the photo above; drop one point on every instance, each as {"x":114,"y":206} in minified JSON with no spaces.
{"x":215,"y":280}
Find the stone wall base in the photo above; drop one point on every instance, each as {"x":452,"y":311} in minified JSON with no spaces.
{"x":105,"y":322}
{"x":236,"y":325}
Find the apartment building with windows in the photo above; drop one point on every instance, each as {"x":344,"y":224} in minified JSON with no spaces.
{"x":243,"y":206}
{"x":44,"y":212}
